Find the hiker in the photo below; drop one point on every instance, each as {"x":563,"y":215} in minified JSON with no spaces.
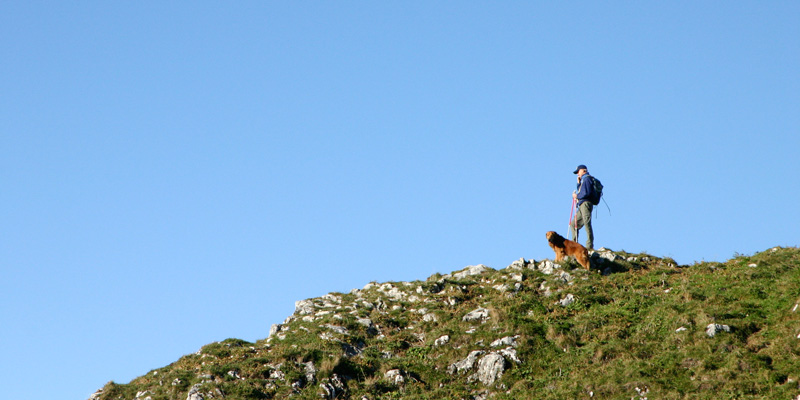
{"x":583,"y":218}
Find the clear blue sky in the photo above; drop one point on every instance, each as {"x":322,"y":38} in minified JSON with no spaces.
{"x":178,"y":173}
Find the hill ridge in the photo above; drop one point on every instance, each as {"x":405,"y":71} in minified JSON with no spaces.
{"x":636,"y":326}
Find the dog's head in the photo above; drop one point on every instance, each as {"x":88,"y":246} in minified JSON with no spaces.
{"x":555,"y":238}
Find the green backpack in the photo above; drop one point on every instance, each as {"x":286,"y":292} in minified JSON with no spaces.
{"x":597,"y":191}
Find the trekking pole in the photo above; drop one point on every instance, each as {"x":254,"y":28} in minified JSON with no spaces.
{"x":569,"y":225}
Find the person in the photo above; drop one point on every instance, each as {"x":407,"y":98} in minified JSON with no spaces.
{"x":583,"y":218}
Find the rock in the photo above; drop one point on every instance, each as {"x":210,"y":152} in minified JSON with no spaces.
{"x":519,"y":264}
{"x":441,"y":341}
{"x":96,"y":395}
{"x":681,"y":329}
{"x":713,"y":329}
{"x":194,"y":393}
{"x":338,"y":329}
{"x":333,"y":388}
{"x":275,"y":328}
{"x":490,"y":368}
{"x":510,"y":354}
{"x":276,"y":372}
{"x":353,"y":350}
{"x":304,"y":307}
{"x":480,"y":314}
{"x":395,"y":376}
{"x":569,"y":299}
{"x":506,"y":341}
{"x":502,"y":288}
{"x":141,"y":395}
{"x":393,"y":292}
{"x":603,"y":255}
{"x":547,"y":267}
{"x":564,"y":277}
{"x":310,"y":372}
{"x":465,"y":364}
{"x":430,"y":317}
{"x":545,"y":290}
{"x":367,"y":323}
{"x":469,"y":271}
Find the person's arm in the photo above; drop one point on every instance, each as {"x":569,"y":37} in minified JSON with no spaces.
{"x":585,"y":188}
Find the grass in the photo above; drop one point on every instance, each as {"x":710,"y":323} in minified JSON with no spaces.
{"x":620,"y":338}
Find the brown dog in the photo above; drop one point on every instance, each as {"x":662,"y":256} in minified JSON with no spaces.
{"x":565,"y":247}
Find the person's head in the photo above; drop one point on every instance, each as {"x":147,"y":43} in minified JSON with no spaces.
{"x":581,"y":170}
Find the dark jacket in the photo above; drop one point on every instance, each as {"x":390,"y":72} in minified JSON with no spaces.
{"x":585,"y":189}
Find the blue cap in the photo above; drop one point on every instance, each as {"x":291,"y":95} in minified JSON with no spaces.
{"x":580,"y":167}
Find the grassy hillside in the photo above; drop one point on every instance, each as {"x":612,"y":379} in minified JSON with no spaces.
{"x":635,"y":327}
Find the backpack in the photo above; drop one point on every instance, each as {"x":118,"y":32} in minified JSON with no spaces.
{"x":597,"y":191}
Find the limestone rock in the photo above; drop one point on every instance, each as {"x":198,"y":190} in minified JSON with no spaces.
{"x":564,"y":277}
{"x":569,"y":299}
{"x":96,"y":395}
{"x":603,"y":255}
{"x":469,"y":271}
{"x":465,"y":364}
{"x":275,"y":328}
{"x":143,"y":395}
{"x":480,"y":314}
{"x":395,"y":376}
{"x":441,"y":341}
{"x":392,"y":292}
{"x":338,"y":329}
{"x":506,"y":341}
{"x":367,"y":323}
{"x":519,"y":264}
{"x":310,"y":372}
{"x":333,"y":388}
{"x":502,"y":288}
{"x":713,"y":329}
{"x":510,"y":354}
{"x":490,"y":368}
{"x":546,"y":292}
{"x":194,"y":393}
{"x":304,"y":307}
{"x":547,"y":267}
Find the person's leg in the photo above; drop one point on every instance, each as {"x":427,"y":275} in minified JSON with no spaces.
{"x":586,"y":216}
{"x":576,"y":224}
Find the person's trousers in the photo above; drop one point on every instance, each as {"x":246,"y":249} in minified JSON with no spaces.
{"x":583,"y":219}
